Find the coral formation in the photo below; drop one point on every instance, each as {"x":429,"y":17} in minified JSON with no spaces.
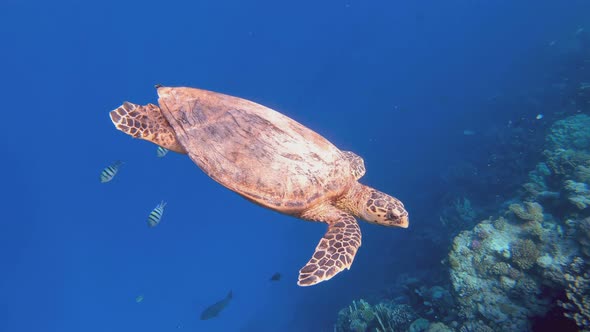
{"x":532,"y":211}
{"x":571,"y":132}
{"x":501,"y":281}
{"x":578,"y":294}
{"x":486,"y":282}
{"x":533,"y":257}
{"x":524,"y":253}
{"x":578,"y":193}
{"x":384,"y":316}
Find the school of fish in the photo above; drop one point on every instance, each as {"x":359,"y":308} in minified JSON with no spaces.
{"x":154,"y":218}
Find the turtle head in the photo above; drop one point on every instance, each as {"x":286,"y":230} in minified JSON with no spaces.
{"x":375,"y":206}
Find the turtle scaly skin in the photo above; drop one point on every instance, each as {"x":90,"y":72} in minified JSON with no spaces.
{"x":271,"y":160}
{"x":146,"y":122}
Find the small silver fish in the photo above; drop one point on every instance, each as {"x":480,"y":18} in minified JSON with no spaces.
{"x":468,"y":132}
{"x":156,"y":215}
{"x":539,"y":116}
{"x":161,"y":152}
{"x":109,"y":172}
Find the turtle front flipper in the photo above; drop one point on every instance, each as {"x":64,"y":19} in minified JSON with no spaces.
{"x":146,"y":122}
{"x":336,"y":249}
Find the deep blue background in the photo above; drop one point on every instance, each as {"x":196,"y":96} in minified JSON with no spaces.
{"x":396,"y":82}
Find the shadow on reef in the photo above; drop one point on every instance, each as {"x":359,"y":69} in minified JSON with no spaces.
{"x":554,"y":320}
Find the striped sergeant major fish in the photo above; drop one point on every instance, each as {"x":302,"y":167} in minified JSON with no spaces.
{"x":161,"y":152}
{"x":156,"y":215}
{"x":109,"y":172}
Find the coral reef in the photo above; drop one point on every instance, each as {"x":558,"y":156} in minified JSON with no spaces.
{"x":498,"y":282}
{"x":486,"y":282}
{"x":530,"y":258}
{"x":475,"y":326}
{"x":568,"y":148}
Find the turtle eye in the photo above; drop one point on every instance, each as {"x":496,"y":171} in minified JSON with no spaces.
{"x":390,"y":215}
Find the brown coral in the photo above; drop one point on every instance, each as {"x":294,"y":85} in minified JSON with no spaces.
{"x":578,"y":294}
{"x":499,"y":223}
{"x":527,"y":287}
{"x":531,"y":211}
{"x":525,"y":253}
{"x":500,"y":268}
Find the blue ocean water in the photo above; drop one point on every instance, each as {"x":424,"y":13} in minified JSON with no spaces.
{"x":428,"y":92}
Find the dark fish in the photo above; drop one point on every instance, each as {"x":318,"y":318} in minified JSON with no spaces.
{"x":213,"y":310}
{"x":275,"y":277}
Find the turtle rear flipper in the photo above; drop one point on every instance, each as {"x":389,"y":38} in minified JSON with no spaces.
{"x":147,"y":123}
{"x":336,"y":249}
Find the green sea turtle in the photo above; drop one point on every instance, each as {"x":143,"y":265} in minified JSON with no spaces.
{"x":272,"y":160}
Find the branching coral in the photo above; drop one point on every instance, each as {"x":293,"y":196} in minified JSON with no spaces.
{"x":532,"y":211}
{"x":578,"y":294}
{"x":385,"y":317}
{"x":395,"y":317}
{"x":475,"y":326}
{"x":357,"y":317}
{"x":579,"y":194}
{"x":499,"y":268}
{"x":524,"y":253}
{"x":499,"y":223}
{"x":537,"y":193}
{"x":564,"y":161}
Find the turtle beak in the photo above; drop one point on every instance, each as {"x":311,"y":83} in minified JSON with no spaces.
{"x":404,"y":222}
